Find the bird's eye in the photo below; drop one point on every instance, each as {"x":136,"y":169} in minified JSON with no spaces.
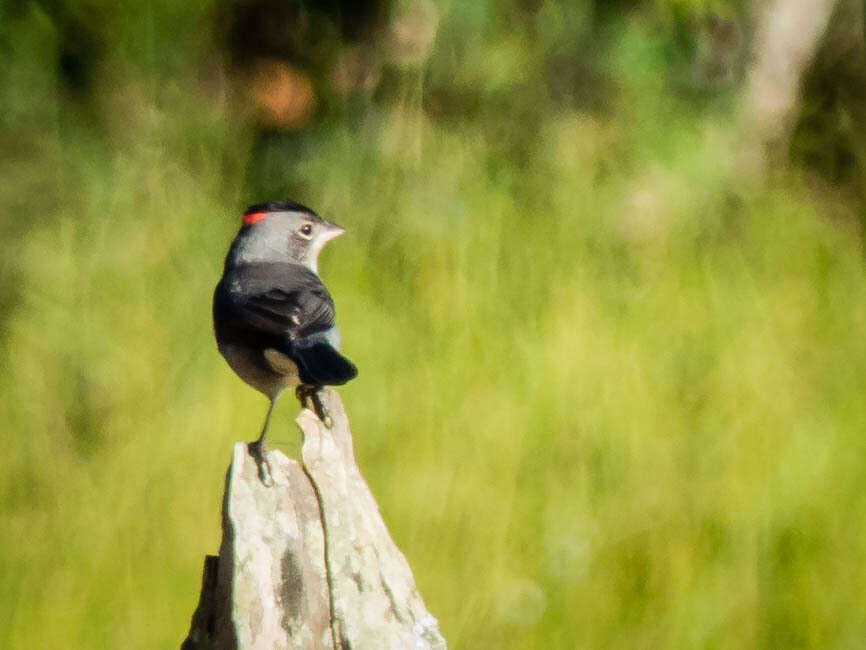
{"x":306,"y":230}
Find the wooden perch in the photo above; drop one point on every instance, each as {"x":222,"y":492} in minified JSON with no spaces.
{"x":308,"y":562}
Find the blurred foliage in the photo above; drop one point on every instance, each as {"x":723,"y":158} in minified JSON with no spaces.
{"x":611,"y":386}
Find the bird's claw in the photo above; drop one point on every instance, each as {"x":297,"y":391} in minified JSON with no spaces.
{"x":260,"y":455}
{"x":313,"y":394}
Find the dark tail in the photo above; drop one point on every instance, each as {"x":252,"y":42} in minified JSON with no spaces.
{"x":320,"y":364}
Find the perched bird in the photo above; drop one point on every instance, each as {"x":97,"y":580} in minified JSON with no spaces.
{"x":273,"y":317}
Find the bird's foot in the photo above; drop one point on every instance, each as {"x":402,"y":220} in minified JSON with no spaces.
{"x":313,"y":394}
{"x":259,"y":452}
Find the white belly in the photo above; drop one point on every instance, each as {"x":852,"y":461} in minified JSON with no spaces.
{"x":270,"y":373}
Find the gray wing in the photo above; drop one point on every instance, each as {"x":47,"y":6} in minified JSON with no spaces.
{"x":285,"y":307}
{"x":281,"y":300}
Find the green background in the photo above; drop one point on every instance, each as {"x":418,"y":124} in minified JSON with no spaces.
{"x":611,"y":383}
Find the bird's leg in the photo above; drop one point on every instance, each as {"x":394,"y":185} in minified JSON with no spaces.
{"x":321,"y":411}
{"x":259,"y":452}
{"x":307,"y":393}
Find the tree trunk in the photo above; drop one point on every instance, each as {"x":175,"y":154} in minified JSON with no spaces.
{"x":308,"y":561}
{"x":788,"y":33}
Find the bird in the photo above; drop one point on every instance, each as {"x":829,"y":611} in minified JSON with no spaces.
{"x":274,"y":320}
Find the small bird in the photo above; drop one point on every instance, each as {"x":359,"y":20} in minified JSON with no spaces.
{"x":273,"y":317}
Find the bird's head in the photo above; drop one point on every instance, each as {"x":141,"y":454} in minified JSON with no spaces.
{"x":282,"y":231}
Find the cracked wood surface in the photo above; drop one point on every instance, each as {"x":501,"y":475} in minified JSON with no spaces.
{"x":308,"y":562}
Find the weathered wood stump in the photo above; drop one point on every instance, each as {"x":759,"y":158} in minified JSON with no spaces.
{"x":308,"y":562}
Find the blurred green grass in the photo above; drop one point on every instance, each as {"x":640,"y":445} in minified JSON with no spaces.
{"x":610,"y":391}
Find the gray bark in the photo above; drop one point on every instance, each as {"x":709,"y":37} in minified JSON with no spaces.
{"x":308,"y":561}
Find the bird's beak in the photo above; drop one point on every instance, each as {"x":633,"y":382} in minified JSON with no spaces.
{"x":332,"y":231}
